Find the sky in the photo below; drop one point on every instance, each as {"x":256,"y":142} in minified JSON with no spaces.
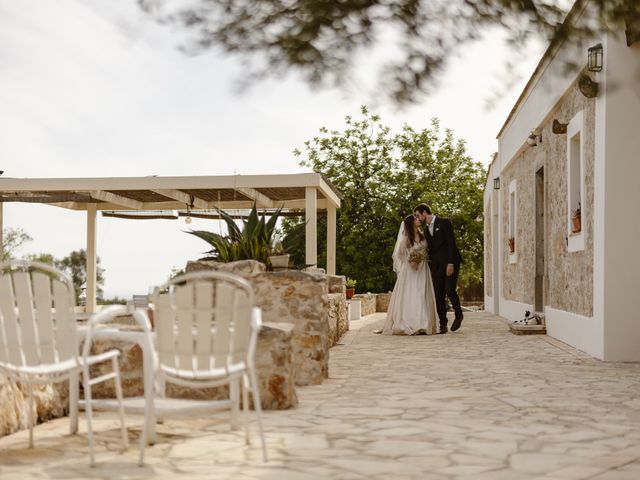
{"x":97,"y":89}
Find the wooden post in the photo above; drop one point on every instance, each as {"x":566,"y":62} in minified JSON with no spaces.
{"x":92,"y":270}
{"x":331,"y":239}
{"x":311,"y":229}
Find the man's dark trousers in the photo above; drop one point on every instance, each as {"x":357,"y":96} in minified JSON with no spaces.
{"x":443,"y":287}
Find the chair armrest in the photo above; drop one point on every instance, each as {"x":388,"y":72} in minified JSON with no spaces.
{"x":110,"y":313}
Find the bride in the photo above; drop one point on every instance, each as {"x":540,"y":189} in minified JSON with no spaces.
{"x":412,"y":309}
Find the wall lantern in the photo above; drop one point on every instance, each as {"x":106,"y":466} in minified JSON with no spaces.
{"x":595,"y":55}
{"x":534,"y":139}
{"x":496,"y":183}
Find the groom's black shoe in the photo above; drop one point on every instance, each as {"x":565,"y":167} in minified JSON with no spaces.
{"x":443,"y":329}
{"x":456,"y":323}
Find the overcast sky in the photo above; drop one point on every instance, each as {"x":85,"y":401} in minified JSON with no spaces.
{"x":93,"y":88}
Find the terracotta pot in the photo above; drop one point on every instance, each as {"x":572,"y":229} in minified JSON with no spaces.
{"x":512,"y":245}
{"x":577,"y":224}
{"x":350,"y":292}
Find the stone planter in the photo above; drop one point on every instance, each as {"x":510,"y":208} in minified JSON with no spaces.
{"x":279,"y":261}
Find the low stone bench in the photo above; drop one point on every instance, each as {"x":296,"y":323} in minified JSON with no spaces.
{"x":368,"y":303}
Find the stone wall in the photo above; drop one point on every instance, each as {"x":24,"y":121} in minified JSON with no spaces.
{"x":298,"y":298}
{"x":50,"y":402}
{"x":338,"y":321}
{"x":367,"y":303}
{"x":382,"y":302}
{"x":564,"y":271}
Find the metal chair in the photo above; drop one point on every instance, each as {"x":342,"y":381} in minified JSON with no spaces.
{"x":206,"y":328}
{"x":38,"y":337}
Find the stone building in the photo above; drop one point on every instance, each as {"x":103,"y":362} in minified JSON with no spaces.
{"x":562,"y":225}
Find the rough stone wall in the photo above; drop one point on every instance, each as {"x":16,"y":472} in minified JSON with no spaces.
{"x":382,"y":302}
{"x":50,"y":402}
{"x":519,"y":278}
{"x":273,"y":359}
{"x":569,"y":271}
{"x":299,"y":298}
{"x":274,"y":368}
{"x":338,"y":321}
{"x":564,"y":271}
{"x":367,"y":303}
{"x":488,"y":248}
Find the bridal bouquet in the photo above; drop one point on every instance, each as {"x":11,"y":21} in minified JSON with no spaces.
{"x":417,"y":255}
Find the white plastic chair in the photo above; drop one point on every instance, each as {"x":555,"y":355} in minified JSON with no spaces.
{"x":38,"y":337}
{"x":206,"y":328}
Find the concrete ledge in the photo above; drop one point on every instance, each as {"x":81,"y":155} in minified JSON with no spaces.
{"x":527,"y":329}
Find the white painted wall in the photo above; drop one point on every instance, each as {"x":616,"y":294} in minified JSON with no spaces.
{"x":622,"y":199}
{"x":583,"y":333}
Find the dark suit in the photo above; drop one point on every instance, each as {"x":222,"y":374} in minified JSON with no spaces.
{"x":443,"y":251}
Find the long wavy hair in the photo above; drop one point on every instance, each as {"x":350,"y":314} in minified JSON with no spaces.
{"x":411,"y":231}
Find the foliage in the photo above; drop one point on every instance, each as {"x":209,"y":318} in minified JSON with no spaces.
{"x":12,"y":240}
{"x":382,"y":177}
{"x":324,"y":40}
{"x":350,"y":283}
{"x":113,"y":301}
{"x":75,"y":265}
{"x":253,"y":242}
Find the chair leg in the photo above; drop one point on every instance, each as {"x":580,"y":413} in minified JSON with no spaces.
{"x":31,"y":416}
{"x":234,"y":396}
{"x":123,"y":428}
{"x":143,"y":442}
{"x":88,"y":408}
{"x":74,"y":387}
{"x":245,"y":407}
{"x":258,"y":407}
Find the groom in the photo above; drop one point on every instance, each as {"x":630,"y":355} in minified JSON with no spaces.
{"x":444,"y":263}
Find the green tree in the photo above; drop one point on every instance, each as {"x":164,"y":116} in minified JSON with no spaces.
{"x":382,"y":177}
{"x":12,"y":240}
{"x":75,"y":265}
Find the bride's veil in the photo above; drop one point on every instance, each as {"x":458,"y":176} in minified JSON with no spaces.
{"x":400,"y":249}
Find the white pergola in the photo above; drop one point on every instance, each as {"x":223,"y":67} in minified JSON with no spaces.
{"x":304,"y":191}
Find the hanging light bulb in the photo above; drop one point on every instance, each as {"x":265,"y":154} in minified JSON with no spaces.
{"x":187,"y":220}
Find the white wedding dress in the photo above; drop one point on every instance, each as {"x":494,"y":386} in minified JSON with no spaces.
{"x":412,"y":309}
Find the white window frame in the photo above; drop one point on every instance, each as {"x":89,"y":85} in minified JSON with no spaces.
{"x":512,"y":226}
{"x":575,"y":128}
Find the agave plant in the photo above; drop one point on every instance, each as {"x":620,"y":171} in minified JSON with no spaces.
{"x":253,"y":242}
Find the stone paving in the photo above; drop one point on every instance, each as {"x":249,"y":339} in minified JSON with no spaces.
{"x":477,"y":404}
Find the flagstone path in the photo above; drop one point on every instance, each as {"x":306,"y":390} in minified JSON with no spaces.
{"x":477,"y":404}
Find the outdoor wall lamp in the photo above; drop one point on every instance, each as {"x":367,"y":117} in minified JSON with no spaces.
{"x":534,"y":139}
{"x":594,"y":58}
{"x":496,"y":183}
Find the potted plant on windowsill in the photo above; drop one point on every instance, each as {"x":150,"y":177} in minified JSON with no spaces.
{"x":576,"y":220}
{"x":512,"y":244}
{"x":350,"y":283}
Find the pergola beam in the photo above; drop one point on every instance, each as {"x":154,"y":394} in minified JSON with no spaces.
{"x":117,"y":199}
{"x":261,"y":199}
{"x":186,"y":198}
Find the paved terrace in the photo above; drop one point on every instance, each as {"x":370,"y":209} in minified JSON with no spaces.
{"x":477,"y":404}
